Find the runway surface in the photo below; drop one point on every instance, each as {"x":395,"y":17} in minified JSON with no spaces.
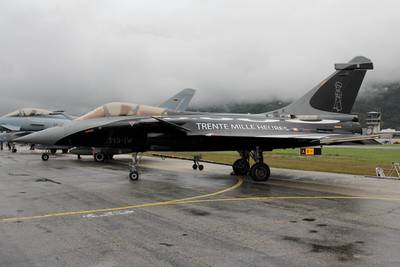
{"x":67,"y":212}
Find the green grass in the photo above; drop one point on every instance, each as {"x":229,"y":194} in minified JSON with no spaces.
{"x":352,"y":160}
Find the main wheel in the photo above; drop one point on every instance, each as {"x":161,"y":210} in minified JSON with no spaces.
{"x":14,"y":150}
{"x":53,"y":151}
{"x":260,"y":172}
{"x":99,"y":157}
{"x":45,"y":157}
{"x":133,"y":175}
{"x":194,"y":166}
{"x":241,"y":167}
{"x":201,"y":167}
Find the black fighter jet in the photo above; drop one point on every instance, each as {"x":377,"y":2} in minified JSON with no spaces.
{"x":321,"y":117}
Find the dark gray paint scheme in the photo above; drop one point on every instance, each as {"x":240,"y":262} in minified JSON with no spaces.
{"x":137,"y":133}
{"x":246,"y":133}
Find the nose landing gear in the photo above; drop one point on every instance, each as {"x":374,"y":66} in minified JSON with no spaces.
{"x":133,"y":173}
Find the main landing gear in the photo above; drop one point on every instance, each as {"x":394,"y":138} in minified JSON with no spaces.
{"x":259,"y":171}
{"x":196,"y":163}
{"x":133,"y":173}
{"x":242,"y":165}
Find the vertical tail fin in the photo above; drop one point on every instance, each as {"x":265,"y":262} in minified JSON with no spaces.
{"x":337,"y":93}
{"x":180,"y":101}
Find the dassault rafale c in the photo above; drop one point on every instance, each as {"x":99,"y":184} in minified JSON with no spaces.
{"x":320,"y":117}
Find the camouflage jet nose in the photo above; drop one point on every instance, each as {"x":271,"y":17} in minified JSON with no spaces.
{"x":52,"y":136}
{"x":46,"y":137}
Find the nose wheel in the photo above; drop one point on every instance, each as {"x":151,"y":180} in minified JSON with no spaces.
{"x":134,"y":175}
{"x":133,"y":172}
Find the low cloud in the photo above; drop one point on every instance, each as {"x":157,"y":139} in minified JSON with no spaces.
{"x":76,"y":55}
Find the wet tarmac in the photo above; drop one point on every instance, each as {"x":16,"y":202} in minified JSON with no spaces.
{"x":67,"y":212}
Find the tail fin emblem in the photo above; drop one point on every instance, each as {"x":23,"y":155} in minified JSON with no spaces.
{"x":338,"y":97}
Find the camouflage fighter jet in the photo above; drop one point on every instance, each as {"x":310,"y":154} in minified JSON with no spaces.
{"x":27,"y":120}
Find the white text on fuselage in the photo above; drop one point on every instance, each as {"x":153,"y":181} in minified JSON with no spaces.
{"x":207,"y":126}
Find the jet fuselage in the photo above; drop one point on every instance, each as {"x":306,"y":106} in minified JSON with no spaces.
{"x":198,"y":132}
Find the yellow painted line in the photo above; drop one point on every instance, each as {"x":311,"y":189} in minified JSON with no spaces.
{"x":238,"y":183}
{"x":285,"y":198}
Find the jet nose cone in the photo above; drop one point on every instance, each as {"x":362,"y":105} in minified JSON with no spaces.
{"x":46,"y":137}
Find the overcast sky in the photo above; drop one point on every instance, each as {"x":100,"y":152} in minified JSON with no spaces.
{"x":76,"y":55}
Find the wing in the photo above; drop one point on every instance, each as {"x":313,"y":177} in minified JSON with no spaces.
{"x":341,"y":139}
{"x":312,"y":138}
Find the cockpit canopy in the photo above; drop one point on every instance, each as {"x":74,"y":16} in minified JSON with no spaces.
{"x":28,"y":112}
{"x":115,"y":109}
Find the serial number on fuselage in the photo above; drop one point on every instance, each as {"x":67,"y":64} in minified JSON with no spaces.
{"x":115,"y":140}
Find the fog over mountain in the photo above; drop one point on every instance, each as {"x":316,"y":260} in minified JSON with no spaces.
{"x":75,"y":55}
